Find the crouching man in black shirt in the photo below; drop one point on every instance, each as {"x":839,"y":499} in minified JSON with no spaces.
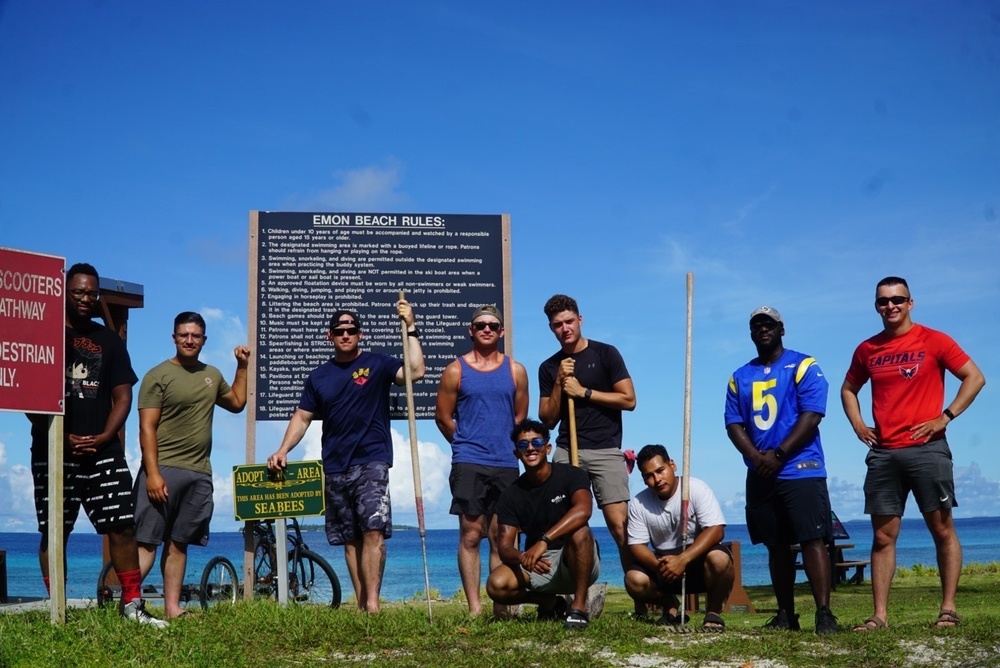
{"x":551,"y":505}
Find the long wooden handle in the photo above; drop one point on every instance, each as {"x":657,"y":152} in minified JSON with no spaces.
{"x":574,"y":451}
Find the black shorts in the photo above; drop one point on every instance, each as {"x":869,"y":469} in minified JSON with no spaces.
{"x":785,"y":512}
{"x":694,"y":574}
{"x":101,"y":483}
{"x":926,"y":470}
{"x":184,"y":518}
{"x":475,"y":488}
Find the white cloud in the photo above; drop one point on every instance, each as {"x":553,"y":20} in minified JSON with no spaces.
{"x":3,"y":454}
{"x":370,"y":188}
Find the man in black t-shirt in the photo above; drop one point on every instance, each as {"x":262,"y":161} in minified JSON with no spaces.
{"x":595,"y":376}
{"x":99,"y":380}
{"x":551,"y":505}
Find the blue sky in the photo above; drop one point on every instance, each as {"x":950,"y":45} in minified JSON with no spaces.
{"x":787,"y":153}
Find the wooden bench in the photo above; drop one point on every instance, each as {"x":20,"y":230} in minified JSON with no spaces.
{"x":839,"y":564}
{"x":844,"y":567}
{"x":738,"y":600}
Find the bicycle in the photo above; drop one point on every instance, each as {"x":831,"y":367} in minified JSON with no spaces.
{"x":219,"y":584}
{"x":311,"y":579}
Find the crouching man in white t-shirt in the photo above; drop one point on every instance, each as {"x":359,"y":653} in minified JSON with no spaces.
{"x":655,"y":540}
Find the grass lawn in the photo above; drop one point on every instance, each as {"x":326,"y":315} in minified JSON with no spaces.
{"x":259,"y":633}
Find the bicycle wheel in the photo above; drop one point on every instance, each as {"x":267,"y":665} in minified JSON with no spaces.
{"x":107,"y":594}
{"x":311,"y":580}
{"x":219,"y":582}
{"x":264,"y":583}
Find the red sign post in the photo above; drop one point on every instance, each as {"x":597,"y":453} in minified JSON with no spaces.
{"x":32,"y":329}
{"x":33,"y":377}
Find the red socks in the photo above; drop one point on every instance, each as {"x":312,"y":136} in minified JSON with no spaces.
{"x":131,"y":585}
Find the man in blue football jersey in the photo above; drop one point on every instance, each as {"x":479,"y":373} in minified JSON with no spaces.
{"x":774,"y":405}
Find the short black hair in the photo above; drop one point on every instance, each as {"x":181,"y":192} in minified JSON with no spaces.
{"x":82,"y":268}
{"x":892,"y":280}
{"x":185,"y":317}
{"x":650,"y":451}
{"x":559,"y":303}
{"x":527,"y":424}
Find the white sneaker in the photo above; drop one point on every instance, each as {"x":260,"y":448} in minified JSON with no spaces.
{"x":136,"y":611}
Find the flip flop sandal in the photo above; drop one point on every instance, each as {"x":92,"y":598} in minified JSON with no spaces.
{"x":713,"y":623}
{"x":577,"y":619}
{"x":948,"y":619}
{"x":873,"y":623}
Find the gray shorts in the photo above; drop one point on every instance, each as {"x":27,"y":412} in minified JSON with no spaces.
{"x":559,"y":580}
{"x":606,"y":468}
{"x":926,"y":470}
{"x":358,"y":501}
{"x":184,"y":518}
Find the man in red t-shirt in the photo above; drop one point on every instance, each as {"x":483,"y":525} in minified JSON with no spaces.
{"x":907,"y":448}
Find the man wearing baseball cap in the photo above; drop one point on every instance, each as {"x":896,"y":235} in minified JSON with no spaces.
{"x":774,"y":405}
{"x":482,"y":395}
{"x":350,"y":394}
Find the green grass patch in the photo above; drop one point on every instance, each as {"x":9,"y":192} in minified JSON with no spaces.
{"x":259,"y":633}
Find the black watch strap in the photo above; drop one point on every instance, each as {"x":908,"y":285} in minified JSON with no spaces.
{"x":413,"y":333}
{"x":780,"y":454}
{"x":951,"y":416}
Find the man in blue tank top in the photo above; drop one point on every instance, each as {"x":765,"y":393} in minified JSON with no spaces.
{"x":482,"y":395}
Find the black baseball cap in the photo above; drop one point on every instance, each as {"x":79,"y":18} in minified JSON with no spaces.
{"x":344,"y":318}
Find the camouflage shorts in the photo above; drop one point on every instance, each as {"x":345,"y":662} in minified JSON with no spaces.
{"x":358,"y":501}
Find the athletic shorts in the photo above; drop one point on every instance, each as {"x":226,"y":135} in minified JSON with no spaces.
{"x":475,"y":488}
{"x":101,"y":483}
{"x":559,"y":579}
{"x":694,"y":573}
{"x":184,"y":518}
{"x":606,"y":468}
{"x":785,"y":512}
{"x":926,"y":470}
{"x":358,"y":501}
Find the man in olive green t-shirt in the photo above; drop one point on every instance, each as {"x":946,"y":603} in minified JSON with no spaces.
{"x":173,"y":491}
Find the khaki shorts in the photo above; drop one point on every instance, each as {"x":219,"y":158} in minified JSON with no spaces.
{"x":606,"y":468}
{"x":559,"y":580}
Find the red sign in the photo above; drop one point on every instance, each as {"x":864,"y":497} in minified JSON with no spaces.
{"x":32,"y":331}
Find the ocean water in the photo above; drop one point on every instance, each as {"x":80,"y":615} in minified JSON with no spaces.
{"x":404,"y":578}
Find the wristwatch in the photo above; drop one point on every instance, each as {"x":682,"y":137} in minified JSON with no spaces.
{"x":780,"y":454}
{"x":586,"y":395}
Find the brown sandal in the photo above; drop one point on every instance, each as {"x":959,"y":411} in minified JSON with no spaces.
{"x":947,"y":619}
{"x":873,"y":623}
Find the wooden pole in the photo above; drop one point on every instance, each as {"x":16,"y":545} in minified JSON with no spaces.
{"x":685,"y":487}
{"x":414,"y":456}
{"x":574,"y":450}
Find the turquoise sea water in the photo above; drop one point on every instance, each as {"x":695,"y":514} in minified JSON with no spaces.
{"x":404,"y":577}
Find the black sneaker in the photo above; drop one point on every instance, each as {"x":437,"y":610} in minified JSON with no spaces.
{"x":557,"y":612}
{"x":826,"y":623}
{"x":782,"y":622}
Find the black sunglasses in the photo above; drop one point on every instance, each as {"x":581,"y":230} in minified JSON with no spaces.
{"x":480,"y":326}
{"x":536,"y":443}
{"x":350,"y":331}
{"x":895,"y":300}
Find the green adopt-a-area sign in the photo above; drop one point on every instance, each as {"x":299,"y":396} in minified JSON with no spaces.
{"x":262,"y":494}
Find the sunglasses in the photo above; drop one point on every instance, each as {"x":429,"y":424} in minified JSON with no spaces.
{"x":896,"y":300}
{"x":350,"y":331}
{"x":480,"y":326}
{"x":536,"y":443}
